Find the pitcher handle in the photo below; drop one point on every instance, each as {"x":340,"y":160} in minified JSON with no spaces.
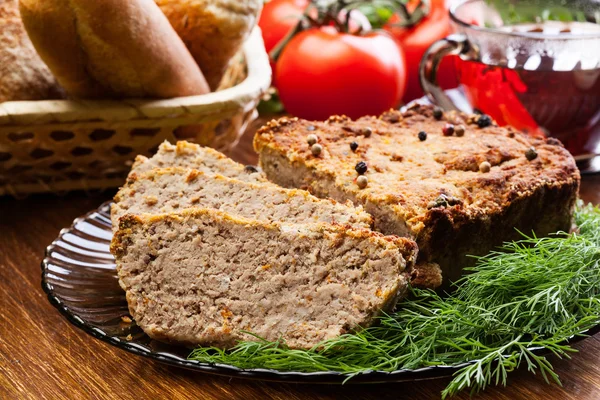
{"x":455,"y":44}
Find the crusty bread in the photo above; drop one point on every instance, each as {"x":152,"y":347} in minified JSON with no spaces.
{"x":213,"y":30}
{"x":111,"y":48}
{"x":202,"y":277}
{"x":23,"y":75}
{"x":433,"y":189}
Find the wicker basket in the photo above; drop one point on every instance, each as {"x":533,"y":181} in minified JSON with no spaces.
{"x":57,"y":146}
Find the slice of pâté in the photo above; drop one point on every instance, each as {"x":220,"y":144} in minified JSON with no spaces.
{"x":165,"y":190}
{"x":458,"y":184}
{"x":202,"y":277}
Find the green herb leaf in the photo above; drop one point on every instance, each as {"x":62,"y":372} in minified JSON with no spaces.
{"x":270,"y":104}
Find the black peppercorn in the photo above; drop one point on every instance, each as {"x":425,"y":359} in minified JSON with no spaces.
{"x":361,"y":167}
{"x":367,"y":132}
{"x":353,"y":146}
{"x":484,"y":121}
{"x":438,"y":113}
{"x":531,"y":154}
{"x":250,"y":169}
{"x":422,"y":136}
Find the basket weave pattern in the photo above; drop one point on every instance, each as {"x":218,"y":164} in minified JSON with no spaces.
{"x":56,"y":146}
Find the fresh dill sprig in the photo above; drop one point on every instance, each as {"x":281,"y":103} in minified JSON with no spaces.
{"x":532,"y":293}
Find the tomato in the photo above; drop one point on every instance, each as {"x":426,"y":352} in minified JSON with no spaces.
{"x":417,"y":39}
{"x":278,"y":18}
{"x":323,"y":72}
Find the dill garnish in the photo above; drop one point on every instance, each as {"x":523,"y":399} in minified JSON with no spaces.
{"x":532,"y":293}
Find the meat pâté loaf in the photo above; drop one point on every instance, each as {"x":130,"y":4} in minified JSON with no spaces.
{"x":165,"y":190}
{"x":202,"y":277}
{"x":456,"y":183}
{"x":190,"y":155}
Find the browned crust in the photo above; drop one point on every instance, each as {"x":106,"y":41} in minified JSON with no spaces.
{"x":406,"y":175}
{"x":120,"y":240}
{"x":425,"y":276}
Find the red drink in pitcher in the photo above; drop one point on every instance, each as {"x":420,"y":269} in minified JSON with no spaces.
{"x":525,"y":66}
{"x":542,"y":97}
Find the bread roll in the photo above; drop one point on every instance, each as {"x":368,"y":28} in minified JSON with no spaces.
{"x":213,"y":30}
{"x":23,"y":75}
{"x":111,"y":48}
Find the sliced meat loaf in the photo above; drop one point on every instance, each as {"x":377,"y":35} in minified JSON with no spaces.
{"x":201,"y":277}
{"x":171,"y":189}
{"x":190,"y":155}
{"x":457,"y":194}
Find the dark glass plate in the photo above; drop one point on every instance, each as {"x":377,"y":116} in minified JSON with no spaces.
{"x":79,"y":276}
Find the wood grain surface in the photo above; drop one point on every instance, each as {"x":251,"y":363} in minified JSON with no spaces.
{"x":43,"y":356}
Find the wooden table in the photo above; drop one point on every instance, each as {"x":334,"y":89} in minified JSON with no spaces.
{"x":43,"y":356}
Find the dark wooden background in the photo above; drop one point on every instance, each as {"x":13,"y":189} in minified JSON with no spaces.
{"x":43,"y":356}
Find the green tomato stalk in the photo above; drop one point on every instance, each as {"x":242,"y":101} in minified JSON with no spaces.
{"x":338,"y":13}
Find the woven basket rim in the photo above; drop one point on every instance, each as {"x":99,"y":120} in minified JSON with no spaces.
{"x":234,"y":99}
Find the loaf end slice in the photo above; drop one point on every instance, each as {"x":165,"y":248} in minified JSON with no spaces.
{"x":203,"y":277}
